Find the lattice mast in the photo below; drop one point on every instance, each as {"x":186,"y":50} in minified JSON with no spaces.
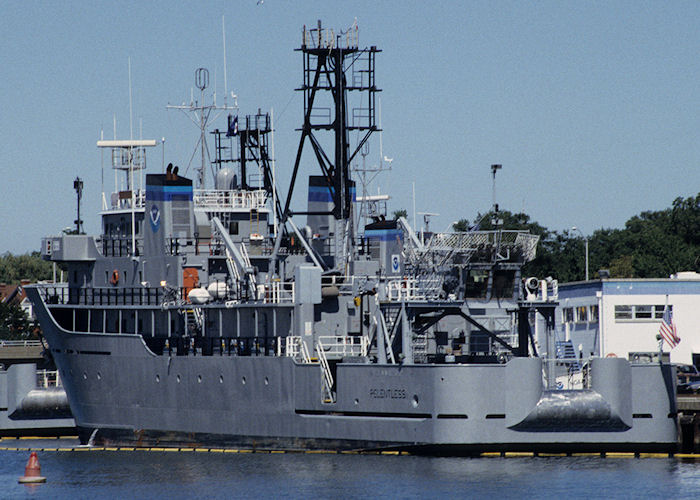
{"x":335,"y":65}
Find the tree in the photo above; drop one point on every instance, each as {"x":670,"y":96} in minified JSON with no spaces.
{"x":651,"y":245}
{"x":14,"y":268}
{"x":400,"y":213}
{"x":14,"y":324}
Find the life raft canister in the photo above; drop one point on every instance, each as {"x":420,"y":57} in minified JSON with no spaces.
{"x":114,"y":279}
{"x":611,"y":355}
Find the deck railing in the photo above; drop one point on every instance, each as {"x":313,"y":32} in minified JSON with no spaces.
{"x":20,"y":343}
{"x":341,"y":346}
{"x":413,"y":289}
{"x":48,"y":378}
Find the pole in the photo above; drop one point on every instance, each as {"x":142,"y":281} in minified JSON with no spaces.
{"x":495,"y":168}
{"x":131,"y":170}
{"x":587,"y":275}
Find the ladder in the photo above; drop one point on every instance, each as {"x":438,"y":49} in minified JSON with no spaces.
{"x":420,"y":347}
{"x":194,"y":321}
{"x":565,"y":350}
{"x":326,"y":376}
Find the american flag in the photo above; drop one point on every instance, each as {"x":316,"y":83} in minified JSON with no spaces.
{"x":668,"y":329}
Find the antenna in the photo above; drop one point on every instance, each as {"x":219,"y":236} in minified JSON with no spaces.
{"x":78,"y":186}
{"x":131,"y":170}
{"x":495,"y":168}
{"x":223,"y":32}
{"x":200,"y":114}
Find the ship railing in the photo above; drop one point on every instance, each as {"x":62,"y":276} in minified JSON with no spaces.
{"x":46,"y":379}
{"x":343,"y":283}
{"x":277,"y":292}
{"x":134,"y":296}
{"x":219,"y":199}
{"x":413,"y":289}
{"x":471,"y":241}
{"x":121,"y":200}
{"x":256,"y":245}
{"x":106,"y":296}
{"x":328,"y":39}
{"x":340,"y":346}
{"x":570,"y":373}
{"x":295,"y":347}
{"x":20,"y":343}
{"x":118,"y":246}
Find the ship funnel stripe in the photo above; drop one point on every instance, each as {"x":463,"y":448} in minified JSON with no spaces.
{"x":325,"y":194}
{"x":169,"y":193}
{"x":384,"y":234}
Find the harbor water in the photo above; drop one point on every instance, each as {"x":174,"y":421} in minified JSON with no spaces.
{"x":161,"y":474}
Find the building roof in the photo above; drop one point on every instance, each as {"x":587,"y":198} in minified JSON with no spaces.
{"x":681,"y":285}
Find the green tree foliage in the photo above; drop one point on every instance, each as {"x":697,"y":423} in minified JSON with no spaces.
{"x":400,"y":213}
{"x":14,"y":268}
{"x":14,"y":324}
{"x":651,"y":245}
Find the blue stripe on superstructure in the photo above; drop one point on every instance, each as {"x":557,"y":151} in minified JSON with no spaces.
{"x":384,"y":234}
{"x":169,"y":193}
{"x":325,"y":194}
{"x":321,"y":194}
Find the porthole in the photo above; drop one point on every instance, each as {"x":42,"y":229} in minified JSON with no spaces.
{"x":178,"y":379}
{"x":243,"y":380}
{"x":99,"y":376}
{"x":357,"y":401}
{"x":85,"y":375}
{"x":267,"y":382}
{"x":199,"y":379}
{"x":221,"y":379}
{"x":157,"y":378}
{"x":414,"y":401}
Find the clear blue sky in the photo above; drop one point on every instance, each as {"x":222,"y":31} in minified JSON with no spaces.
{"x":593,"y":108}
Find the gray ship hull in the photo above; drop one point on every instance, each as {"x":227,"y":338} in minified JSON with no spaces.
{"x":116,"y":385}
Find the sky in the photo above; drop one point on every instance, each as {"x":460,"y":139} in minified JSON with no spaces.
{"x":592,"y":108}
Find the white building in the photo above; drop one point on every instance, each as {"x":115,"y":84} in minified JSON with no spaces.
{"x":622,"y":316}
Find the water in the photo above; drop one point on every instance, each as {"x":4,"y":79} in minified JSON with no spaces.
{"x":172,"y":475}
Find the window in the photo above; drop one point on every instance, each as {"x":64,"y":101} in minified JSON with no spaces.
{"x":640,"y":312}
{"x":475,"y":283}
{"x":503,"y":283}
{"x":567,"y":314}
{"x":593,"y":314}
{"x":623,"y":312}
{"x":581,"y":314}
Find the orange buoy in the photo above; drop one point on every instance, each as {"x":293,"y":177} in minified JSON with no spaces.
{"x":114,"y":279}
{"x":32,"y":472}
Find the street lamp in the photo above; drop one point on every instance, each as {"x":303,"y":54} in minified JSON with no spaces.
{"x":585,"y":239}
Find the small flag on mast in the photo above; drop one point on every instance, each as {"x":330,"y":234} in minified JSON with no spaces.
{"x":232,"y":126}
{"x":668,"y":328}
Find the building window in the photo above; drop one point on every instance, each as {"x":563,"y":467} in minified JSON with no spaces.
{"x":659,"y":311}
{"x":593,"y":314}
{"x":640,"y":312}
{"x":567,"y":314}
{"x":581,"y":314}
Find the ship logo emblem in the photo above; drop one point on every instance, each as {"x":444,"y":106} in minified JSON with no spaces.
{"x":155,"y":218}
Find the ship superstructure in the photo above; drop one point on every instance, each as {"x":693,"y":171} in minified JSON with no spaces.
{"x":219,"y":316}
